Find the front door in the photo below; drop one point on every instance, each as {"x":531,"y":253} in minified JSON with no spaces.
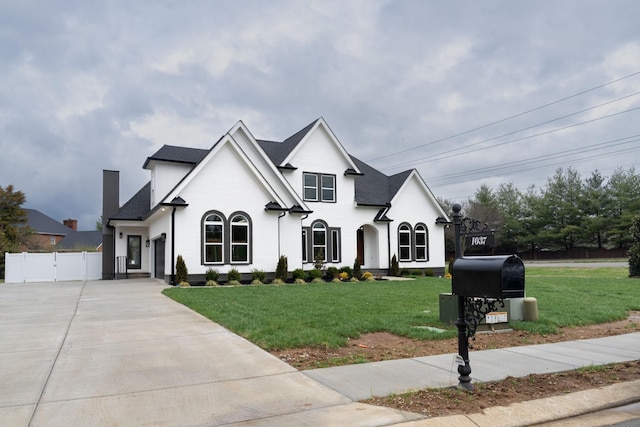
{"x":360,"y":244}
{"x":158,"y":249}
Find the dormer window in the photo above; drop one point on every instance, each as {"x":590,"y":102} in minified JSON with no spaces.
{"x":319,"y":187}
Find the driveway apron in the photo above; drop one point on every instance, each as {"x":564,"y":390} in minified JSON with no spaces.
{"x":119,"y":353}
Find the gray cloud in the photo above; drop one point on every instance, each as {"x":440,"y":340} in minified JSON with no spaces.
{"x":101,"y":85}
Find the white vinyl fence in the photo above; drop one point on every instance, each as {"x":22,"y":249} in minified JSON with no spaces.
{"x":52,"y":267}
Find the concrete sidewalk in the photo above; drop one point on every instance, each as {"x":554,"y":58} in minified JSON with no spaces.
{"x":120,"y":353}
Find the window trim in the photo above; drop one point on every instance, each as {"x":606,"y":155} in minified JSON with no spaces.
{"x":425,"y":231}
{"x":405,"y":229}
{"x":249,"y":238}
{"x":203,"y":237}
{"x":227,"y":244}
{"x":332,"y":246}
{"x":319,"y":189}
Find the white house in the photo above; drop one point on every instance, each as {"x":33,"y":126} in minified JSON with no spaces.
{"x":245,"y":202}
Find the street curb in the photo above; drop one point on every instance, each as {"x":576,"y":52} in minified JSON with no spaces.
{"x":543,"y":410}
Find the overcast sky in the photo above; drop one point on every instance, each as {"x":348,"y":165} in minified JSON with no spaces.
{"x":92,"y":85}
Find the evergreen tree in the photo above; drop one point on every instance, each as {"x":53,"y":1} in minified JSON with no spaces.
{"x":13,"y":222}
{"x":634,"y":250}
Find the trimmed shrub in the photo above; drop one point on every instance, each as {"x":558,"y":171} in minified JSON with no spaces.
{"x":368,"y":276}
{"x":394,"y":269}
{"x":234,"y":283}
{"x":277,"y":282}
{"x":211,"y":274}
{"x":404,"y":272}
{"x":346,"y":269}
{"x":357,"y":272}
{"x":318,"y":280}
{"x":314,"y":274}
{"x":182,"y":273}
{"x":429,"y":273}
{"x":298,"y":273}
{"x":300,"y":281}
{"x":233,"y":275}
{"x":332,"y":272}
{"x":416,"y":272}
{"x":257,"y":282}
{"x":211,"y":283}
{"x":258,"y":275}
{"x":282,"y":270}
{"x":354,"y":280}
{"x":184,"y":285}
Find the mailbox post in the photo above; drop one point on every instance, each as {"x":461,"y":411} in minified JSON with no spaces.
{"x":480,"y":283}
{"x":464,"y":367}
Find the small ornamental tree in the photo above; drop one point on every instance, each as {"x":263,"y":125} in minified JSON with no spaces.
{"x":634,"y":250}
{"x":282,"y":270}
{"x":182,"y":274}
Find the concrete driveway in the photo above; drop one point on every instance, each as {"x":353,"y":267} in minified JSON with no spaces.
{"x":119,"y":353}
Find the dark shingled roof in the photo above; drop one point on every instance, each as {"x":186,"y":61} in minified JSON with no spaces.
{"x":138,"y":207}
{"x":44,"y":224}
{"x":171,"y":153}
{"x":278,"y":151}
{"x":81,"y":239}
{"x":373,"y":188}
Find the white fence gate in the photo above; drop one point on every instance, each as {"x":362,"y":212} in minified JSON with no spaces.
{"x":52,"y":267}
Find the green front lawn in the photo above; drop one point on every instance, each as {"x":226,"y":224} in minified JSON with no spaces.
{"x":289,"y":316}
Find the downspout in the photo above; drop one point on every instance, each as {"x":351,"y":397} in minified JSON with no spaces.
{"x":388,"y":245}
{"x":279,"y":216}
{"x":173,"y":247}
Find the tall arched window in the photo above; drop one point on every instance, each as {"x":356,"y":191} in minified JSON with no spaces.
{"x":239,"y":238}
{"x":404,"y":242}
{"x":319,"y":237}
{"x":213,"y":236}
{"x":422,"y":242}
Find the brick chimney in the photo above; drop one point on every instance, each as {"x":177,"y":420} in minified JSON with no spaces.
{"x":71,"y":223}
{"x":110,"y":205}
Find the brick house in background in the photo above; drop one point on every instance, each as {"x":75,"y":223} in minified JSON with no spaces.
{"x":47,"y":231}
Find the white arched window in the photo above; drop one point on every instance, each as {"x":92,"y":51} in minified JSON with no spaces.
{"x":319,"y":237}
{"x":213,"y":234}
{"x":421,"y":239}
{"x":239,"y":239}
{"x":404,"y":242}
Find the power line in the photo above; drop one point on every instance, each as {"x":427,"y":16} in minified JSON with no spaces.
{"x":545,"y":157}
{"x":564,"y":162}
{"x":451,"y":154}
{"x":506,"y":118}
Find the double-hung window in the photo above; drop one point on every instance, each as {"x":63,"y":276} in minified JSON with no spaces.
{"x":319,"y":237}
{"x":321,"y":243}
{"x":413,"y":243}
{"x":213,"y":239}
{"x":404,"y":242}
{"x":239,"y":239}
{"x":226,"y":241}
{"x":319,"y":187}
{"x":422,"y":252}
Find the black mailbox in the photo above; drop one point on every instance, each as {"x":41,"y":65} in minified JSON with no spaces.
{"x":488,"y":276}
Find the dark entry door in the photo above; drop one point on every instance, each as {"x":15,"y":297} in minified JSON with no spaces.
{"x":158,"y":246}
{"x":360,"y":246}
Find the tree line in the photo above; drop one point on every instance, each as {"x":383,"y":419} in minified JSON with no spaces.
{"x":568,"y":212}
